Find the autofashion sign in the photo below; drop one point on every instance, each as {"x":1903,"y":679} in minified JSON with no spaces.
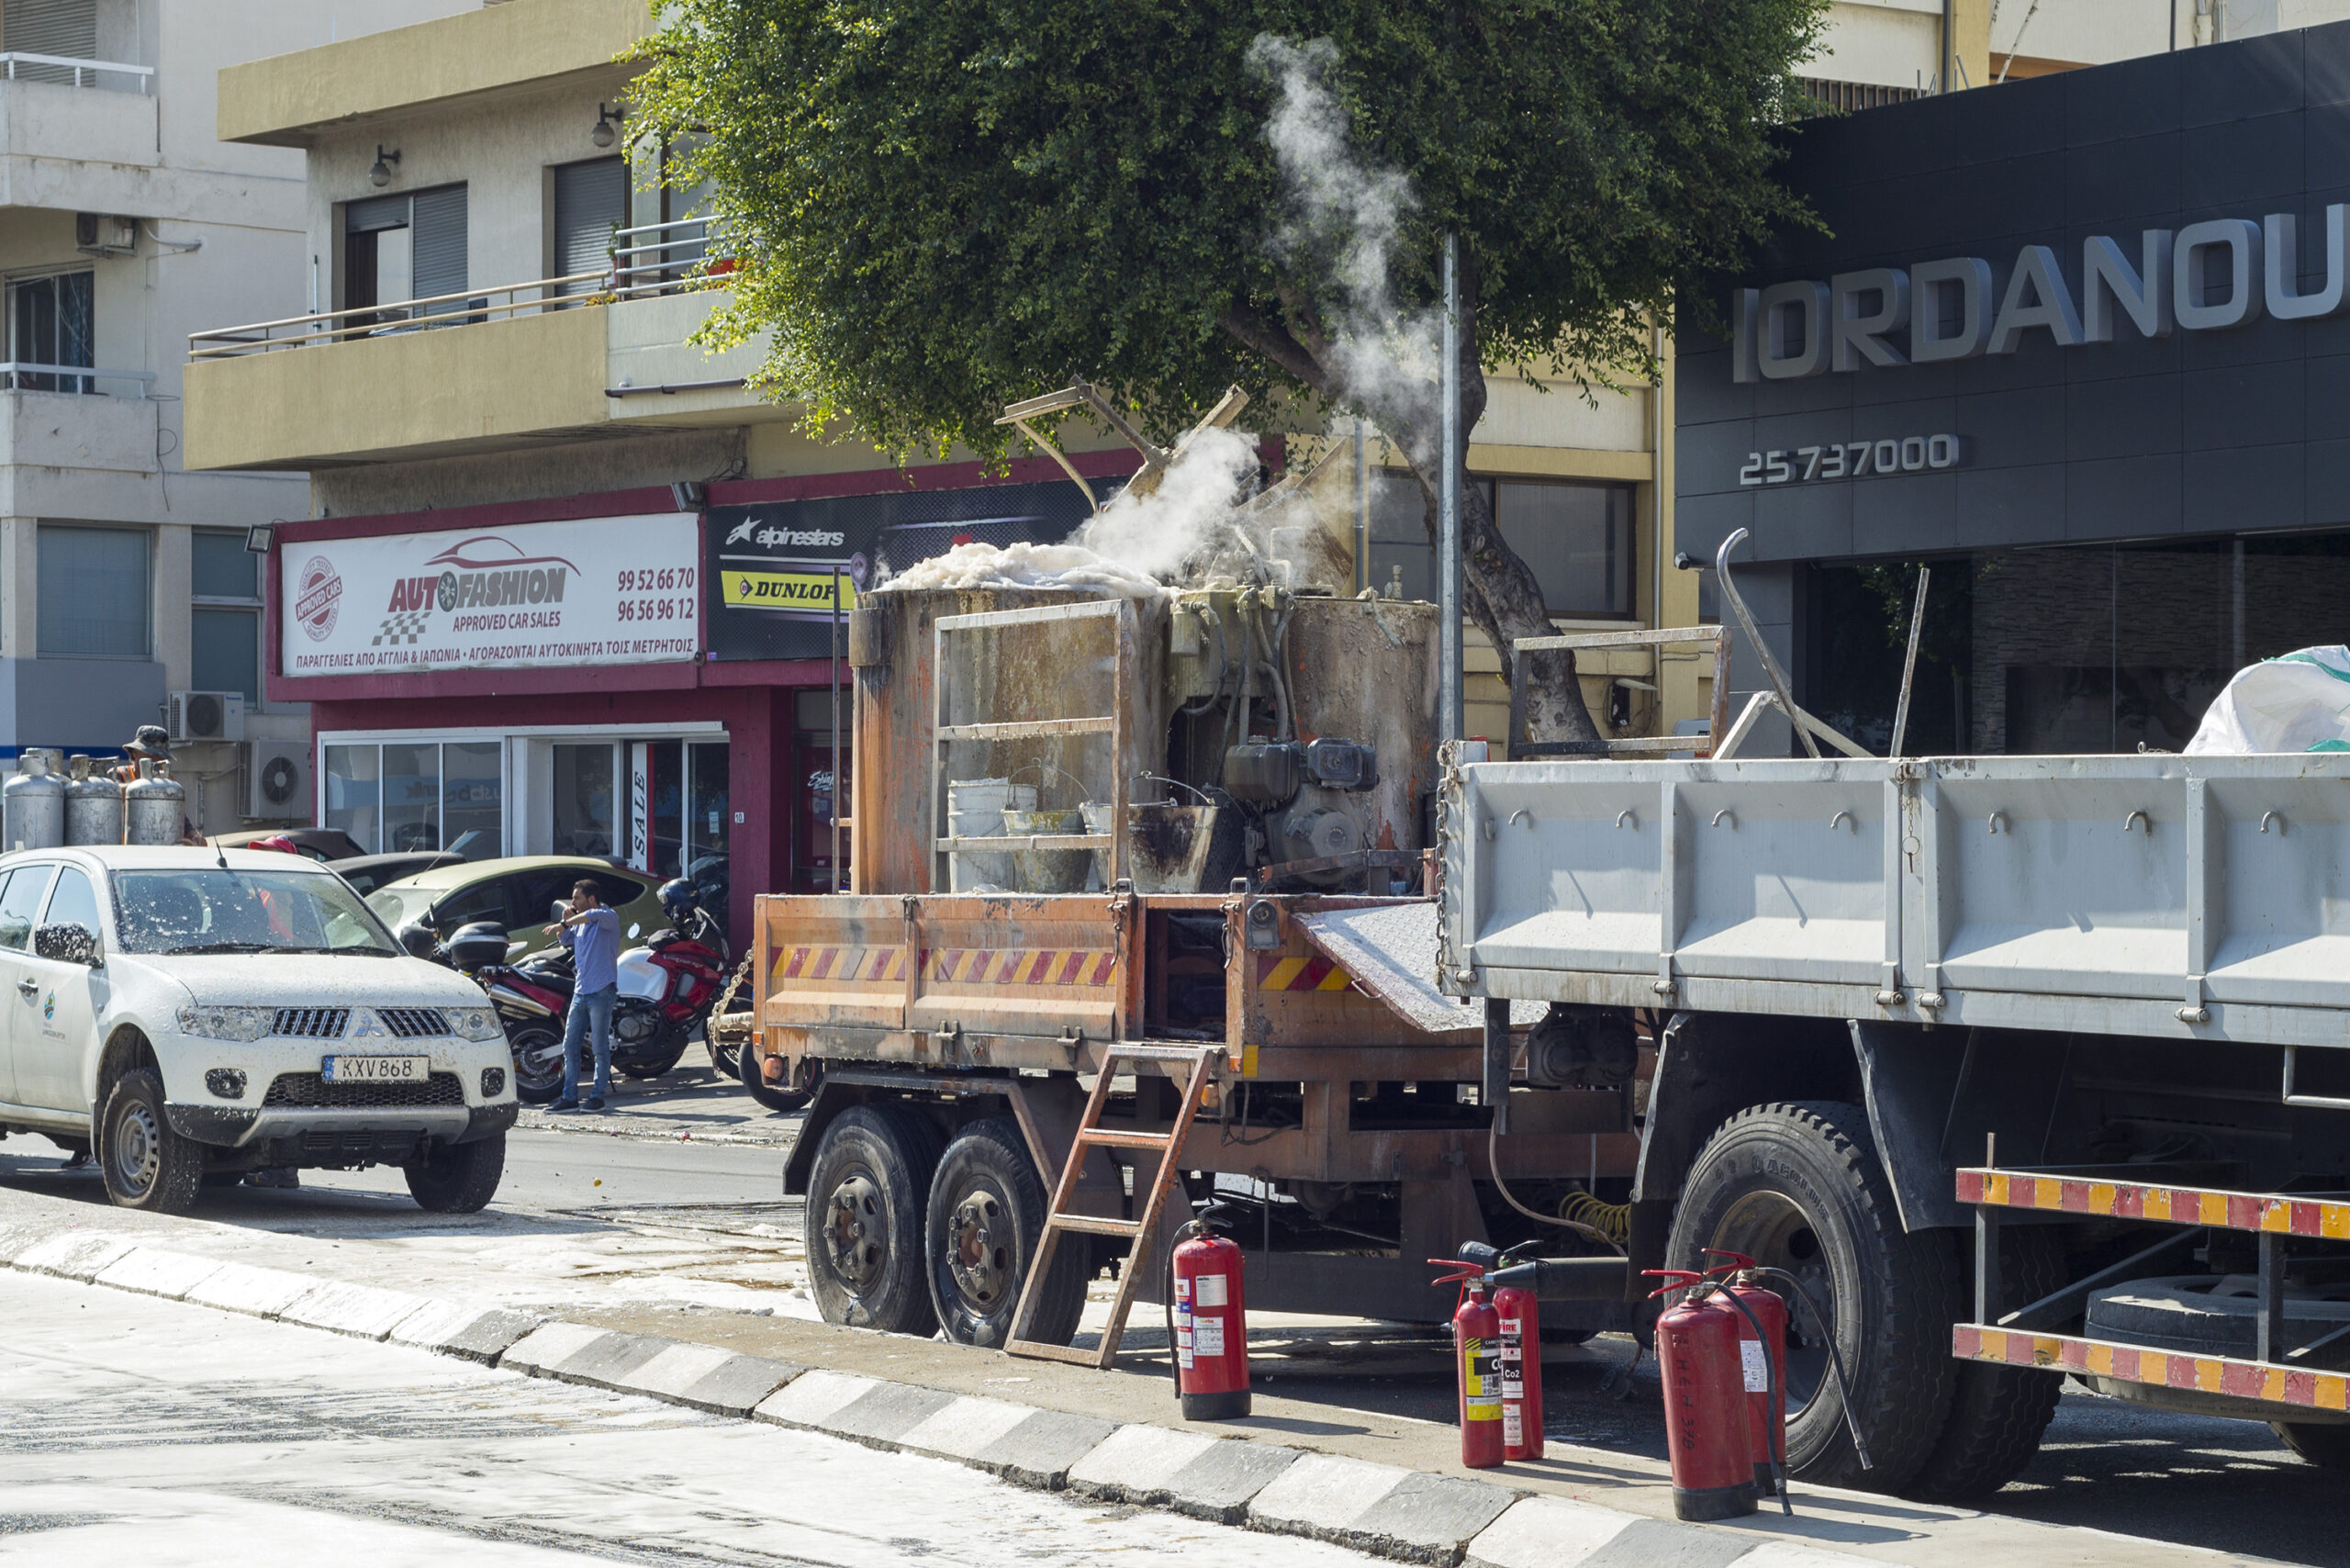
{"x":609,"y":590}
{"x":2208,"y":276}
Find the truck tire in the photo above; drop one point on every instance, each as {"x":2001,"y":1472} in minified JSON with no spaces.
{"x":2325,"y":1444}
{"x":2207,"y":1315}
{"x":1997,"y":1413}
{"x":868,"y":1198}
{"x":457,"y":1179}
{"x":987,"y":1216}
{"x":1799,"y":1187}
{"x":146,"y":1164}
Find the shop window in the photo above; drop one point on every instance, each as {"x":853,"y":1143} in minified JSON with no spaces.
{"x":590,"y":205}
{"x":50,"y":322}
{"x":411,"y":798}
{"x":399,"y":797}
{"x":92,"y":592}
{"x":1576,"y":538}
{"x":584,"y":815}
{"x":472,"y":799}
{"x":709,"y":822}
{"x":354,"y":793}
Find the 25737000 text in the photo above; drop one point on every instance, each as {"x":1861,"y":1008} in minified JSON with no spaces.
{"x":1851,"y":460}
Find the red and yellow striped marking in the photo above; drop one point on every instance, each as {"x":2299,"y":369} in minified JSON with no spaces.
{"x":2209,"y":1375}
{"x":839,"y":964}
{"x":2143,"y":1201}
{"x":1315,"y":973}
{"x":1018,"y":966}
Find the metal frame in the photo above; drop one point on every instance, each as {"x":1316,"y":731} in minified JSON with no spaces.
{"x":1660,"y":638}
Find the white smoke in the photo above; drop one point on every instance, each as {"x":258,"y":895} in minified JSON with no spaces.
{"x":1345,"y":214}
{"x":1167,"y":532}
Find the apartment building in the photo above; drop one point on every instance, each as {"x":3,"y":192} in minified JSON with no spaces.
{"x":128,"y":596}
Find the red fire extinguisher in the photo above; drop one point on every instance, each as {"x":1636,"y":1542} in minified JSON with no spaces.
{"x":1521,"y":1334}
{"x":1477,"y":1357}
{"x":1704,"y":1401}
{"x":1211,"y":1326}
{"x":1763,"y":1357}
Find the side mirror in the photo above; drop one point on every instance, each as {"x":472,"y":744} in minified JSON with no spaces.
{"x":67,"y":944}
{"x":558,"y":911}
{"x":418,"y":940}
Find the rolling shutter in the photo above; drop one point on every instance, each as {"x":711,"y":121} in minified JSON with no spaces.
{"x":68,"y":28}
{"x":590,"y":201}
{"x":437,"y":231}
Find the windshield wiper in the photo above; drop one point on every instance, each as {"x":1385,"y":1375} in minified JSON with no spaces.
{"x":227,"y":947}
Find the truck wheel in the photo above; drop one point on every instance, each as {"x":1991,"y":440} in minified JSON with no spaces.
{"x":538,"y":1064}
{"x":1799,"y":1187}
{"x":2321,"y":1443}
{"x":1997,"y":1413}
{"x":146,"y":1164}
{"x":866,"y":1194}
{"x":457,"y":1179}
{"x":746,"y":1068}
{"x":987,"y":1216}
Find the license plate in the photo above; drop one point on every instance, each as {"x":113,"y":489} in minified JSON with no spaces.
{"x":375,"y":1069}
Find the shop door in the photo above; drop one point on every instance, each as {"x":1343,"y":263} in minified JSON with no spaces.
{"x":814,"y":794}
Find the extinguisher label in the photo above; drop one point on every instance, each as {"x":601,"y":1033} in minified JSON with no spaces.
{"x":1208,"y":1289}
{"x":1481,"y":1382}
{"x":1756,"y":1365}
{"x":1513,"y":1363}
{"x":1514,"y":1425}
{"x":1207,"y":1337}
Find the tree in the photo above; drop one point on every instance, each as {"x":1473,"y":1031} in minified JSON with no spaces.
{"x":939,"y":206}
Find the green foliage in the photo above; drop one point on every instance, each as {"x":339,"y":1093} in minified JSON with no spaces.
{"x":942,"y":207}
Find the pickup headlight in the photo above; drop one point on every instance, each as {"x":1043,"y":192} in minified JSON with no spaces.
{"x":475,"y":1023}
{"x":243,"y":1023}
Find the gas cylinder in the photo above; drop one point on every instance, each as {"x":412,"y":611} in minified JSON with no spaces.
{"x":1705,"y":1402}
{"x":1211,"y":1326}
{"x":155,"y":803}
{"x":1477,"y":1351}
{"x":34,"y":804}
{"x":93,"y":806}
{"x":1521,"y":1332}
{"x":1763,"y":1360}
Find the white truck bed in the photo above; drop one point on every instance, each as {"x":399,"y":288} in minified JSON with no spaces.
{"x":2203,"y":897}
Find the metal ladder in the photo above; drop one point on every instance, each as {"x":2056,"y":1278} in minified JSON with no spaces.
{"x":1059,"y":1222}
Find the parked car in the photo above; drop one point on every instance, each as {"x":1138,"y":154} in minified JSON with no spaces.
{"x":183,"y":1014}
{"x":310,"y":843}
{"x":515,"y":893}
{"x":365,"y":873}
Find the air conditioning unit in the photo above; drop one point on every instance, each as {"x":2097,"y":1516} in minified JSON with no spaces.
{"x":105,"y":234}
{"x":206,"y":716}
{"x":277,"y":775}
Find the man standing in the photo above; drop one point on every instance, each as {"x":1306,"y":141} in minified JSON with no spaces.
{"x":593,"y":933}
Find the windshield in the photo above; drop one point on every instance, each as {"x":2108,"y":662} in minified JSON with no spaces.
{"x":396,"y":906}
{"x":214,"y":910}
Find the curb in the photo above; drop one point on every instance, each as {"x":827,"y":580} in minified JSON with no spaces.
{"x":1406,"y":1514}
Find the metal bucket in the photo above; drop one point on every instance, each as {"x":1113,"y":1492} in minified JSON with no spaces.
{"x":975,"y":809}
{"x":1173,"y":849}
{"x":1047,"y":870}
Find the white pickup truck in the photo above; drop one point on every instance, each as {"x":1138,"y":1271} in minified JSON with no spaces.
{"x":186,"y":1014}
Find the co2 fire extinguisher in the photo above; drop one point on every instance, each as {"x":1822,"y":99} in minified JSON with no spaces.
{"x":1763,"y":1351}
{"x":1521,"y":1334}
{"x":1477,"y":1362}
{"x":1706,"y":1414}
{"x":1211,"y":1326}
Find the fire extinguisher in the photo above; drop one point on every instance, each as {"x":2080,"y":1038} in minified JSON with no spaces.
{"x":1704,"y":1401}
{"x":1211,"y":1326}
{"x":1477,"y":1357}
{"x":1521,"y":1335}
{"x":1762,"y":1354}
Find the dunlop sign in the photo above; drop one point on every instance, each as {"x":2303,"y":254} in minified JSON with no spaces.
{"x":2206,"y":277}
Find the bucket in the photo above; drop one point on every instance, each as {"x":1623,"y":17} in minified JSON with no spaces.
{"x":975,"y":809}
{"x":1047,"y":870}
{"x":1173,"y":849}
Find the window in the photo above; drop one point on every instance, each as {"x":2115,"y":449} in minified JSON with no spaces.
{"x":584,"y":815}
{"x":224,"y":623}
{"x":19,"y":904}
{"x":1577,"y":539}
{"x":50,"y":323}
{"x":406,"y":247}
{"x":590,"y":203}
{"x":66,"y":29}
{"x":92,"y":592}
{"x":73,"y":903}
{"x":403,"y":797}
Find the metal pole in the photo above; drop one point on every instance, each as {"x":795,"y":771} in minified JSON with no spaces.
{"x":1362,"y":505}
{"x":1448,"y":713}
{"x":832,"y":872}
{"x":1909,"y":663}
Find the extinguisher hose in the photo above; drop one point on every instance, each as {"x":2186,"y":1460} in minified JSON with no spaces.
{"x":1174,"y":1362}
{"x":1775,"y":1389}
{"x":1835,"y":1362}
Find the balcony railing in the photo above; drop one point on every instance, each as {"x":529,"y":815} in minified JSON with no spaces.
{"x":21,"y":377}
{"x":62,"y":69}
{"x":658,"y":259}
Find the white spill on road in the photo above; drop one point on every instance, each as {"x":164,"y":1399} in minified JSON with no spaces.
{"x":139,"y":1429}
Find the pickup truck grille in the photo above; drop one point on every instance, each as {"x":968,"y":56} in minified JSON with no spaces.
{"x":310,"y":1092}
{"x":413,"y":1022}
{"x":312,"y":1022}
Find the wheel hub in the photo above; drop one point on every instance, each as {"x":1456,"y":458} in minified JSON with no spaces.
{"x":981,"y":1256}
{"x":1772,"y":1229}
{"x":853,"y":1232}
{"x":137,"y":1148}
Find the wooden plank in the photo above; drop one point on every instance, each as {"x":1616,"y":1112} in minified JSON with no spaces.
{"x":1027,"y":729}
{"x":1664,"y":637}
{"x":1000,"y":844}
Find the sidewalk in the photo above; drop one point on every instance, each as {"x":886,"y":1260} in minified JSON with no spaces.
{"x":1378,"y":1483}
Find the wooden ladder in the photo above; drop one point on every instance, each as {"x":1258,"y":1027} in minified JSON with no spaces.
{"x":1141,"y":1232}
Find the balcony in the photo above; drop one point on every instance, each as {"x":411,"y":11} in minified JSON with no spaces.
{"x":578,"y":357}
{"x":82,"y":111}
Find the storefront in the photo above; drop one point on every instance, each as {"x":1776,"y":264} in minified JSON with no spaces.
{"x":610,"y":675}
{"x":2079,"y":346}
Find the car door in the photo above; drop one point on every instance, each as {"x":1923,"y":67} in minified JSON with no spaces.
{"x":20,"y":903}
{"x":60,"y":1017}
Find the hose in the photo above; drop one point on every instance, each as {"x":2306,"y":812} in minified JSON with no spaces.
{"x":1612,"y":1220}
{"x":1493,"y":1161}
{"x":1774,"y":1378}
{"x":1281,"y":670}
{"x":1835,"y":1362}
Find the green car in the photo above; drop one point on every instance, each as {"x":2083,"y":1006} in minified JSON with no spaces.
{"x":516,"y":893}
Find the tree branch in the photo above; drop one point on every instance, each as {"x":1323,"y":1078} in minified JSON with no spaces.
{"x":1276,"y":343}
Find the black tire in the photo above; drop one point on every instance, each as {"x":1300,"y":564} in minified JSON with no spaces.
{"x":987,"y":1216}
{"x":538,"y":1063}
{"x":2322,"y":1444}
{"x":782,"y":1101}
{"x":2205,"y":1314}
{"x":146,"y":1164}
{"x":457,"y":1179}
{"x":653,"y":1066}
{"x":1801,"y":1187}
{"x":867,"y":1202}
{"x":1997,"y":1413}
{"x":724,"y":1062}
